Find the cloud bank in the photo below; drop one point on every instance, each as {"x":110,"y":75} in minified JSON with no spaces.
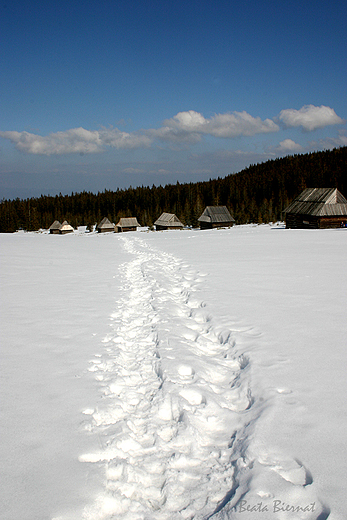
{"x":76,"y":140}
{"x":185,"y":127}
{"x":192,"y":126}
{"x":309,"y":117}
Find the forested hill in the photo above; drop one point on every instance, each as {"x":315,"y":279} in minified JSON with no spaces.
{"x":258,"y":193}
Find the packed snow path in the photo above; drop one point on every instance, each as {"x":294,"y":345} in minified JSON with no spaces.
{"x":177,"y":413}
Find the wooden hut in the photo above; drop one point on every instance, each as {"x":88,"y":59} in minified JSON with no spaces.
{"x":126,"y":224}
{"x":317,"y":208}
{"x":168,"y":221}
{"x":65,"y":228}
{"x":215,"y":216}
{"x":105,"y":226}
{"x":55,"y":228}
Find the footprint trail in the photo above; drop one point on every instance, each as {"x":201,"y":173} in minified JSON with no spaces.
{"x":177,"y":414}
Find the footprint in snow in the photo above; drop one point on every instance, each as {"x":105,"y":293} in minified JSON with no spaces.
{"x":177,"y":412}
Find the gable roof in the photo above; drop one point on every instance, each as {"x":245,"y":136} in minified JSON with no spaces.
{"x":319,"y":202}
{"x":56,"y":225}
{"x":168,"y":220}
{"x":66,"y":226}
{"x":216,"y":214}
{"x":128,"y":222}
{"x":105,"y":224}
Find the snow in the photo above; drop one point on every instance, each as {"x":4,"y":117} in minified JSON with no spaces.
{"x":174,"y":375}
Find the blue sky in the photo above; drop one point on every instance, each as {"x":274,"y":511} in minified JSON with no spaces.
{"x":101,"y":95}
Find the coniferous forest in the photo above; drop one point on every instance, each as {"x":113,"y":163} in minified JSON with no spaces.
{"x":257,"y":194}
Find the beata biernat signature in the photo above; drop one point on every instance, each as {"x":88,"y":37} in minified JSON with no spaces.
{"x":275,"y":506}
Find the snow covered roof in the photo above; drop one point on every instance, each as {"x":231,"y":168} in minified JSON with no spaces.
{"x":105,"y":224}
{"x":215,"y":214}
{"x":168,"y":220}
{"x":319,"y":202}
{"x":128,"y":222}
{"x":56,"y":225}
{"x":65,"y":227}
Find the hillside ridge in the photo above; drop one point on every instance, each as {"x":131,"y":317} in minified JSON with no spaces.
{"x":258,"y":193}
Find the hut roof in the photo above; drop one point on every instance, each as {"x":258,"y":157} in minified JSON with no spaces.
{"x":105,"y":224}
{"x":128,"y":222}
{"x":168,"y":220}
{"x":56,"y":225}
{"x":216,"y":214}
{"x":66,"y":226}
{"x":318,"y":202}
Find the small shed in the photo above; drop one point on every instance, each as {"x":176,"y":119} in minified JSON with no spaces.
{"x":65,"y":228}
{"x":126,"y":224}
{"x":168,"y":221}
{"x":215,"y":216}
{"x":317,"y":208}
{"x":105,"y":226}
{"x":55,"y":228}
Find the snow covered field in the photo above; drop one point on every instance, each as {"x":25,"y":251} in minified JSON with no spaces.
{"x":174,"y":375}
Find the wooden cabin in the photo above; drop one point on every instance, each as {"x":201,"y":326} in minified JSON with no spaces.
{"x":126,"y":224}
{"x":317,"y":208}
{"x":168,"y":221}
{"x":105,"y":226}
{"x":215,"y":217}
{"x":55,"y":228}
{"x":65,"y":228}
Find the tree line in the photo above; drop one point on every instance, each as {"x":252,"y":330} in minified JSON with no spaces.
{"x":257,"y":194}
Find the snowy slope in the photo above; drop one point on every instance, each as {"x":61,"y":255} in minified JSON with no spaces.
{"x":180,"y":374}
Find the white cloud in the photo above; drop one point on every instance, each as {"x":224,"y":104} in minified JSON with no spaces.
{"x":190,"y":121}
{"x":185,"y":128}
{"x":191,"y":125}
{"x":239,"y":123}
{"x":309,"y":117}
{"x":76,"y":140}
{"x":123,"y":140}
{"x":174,"y":135}
{"x":290,"y":146}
